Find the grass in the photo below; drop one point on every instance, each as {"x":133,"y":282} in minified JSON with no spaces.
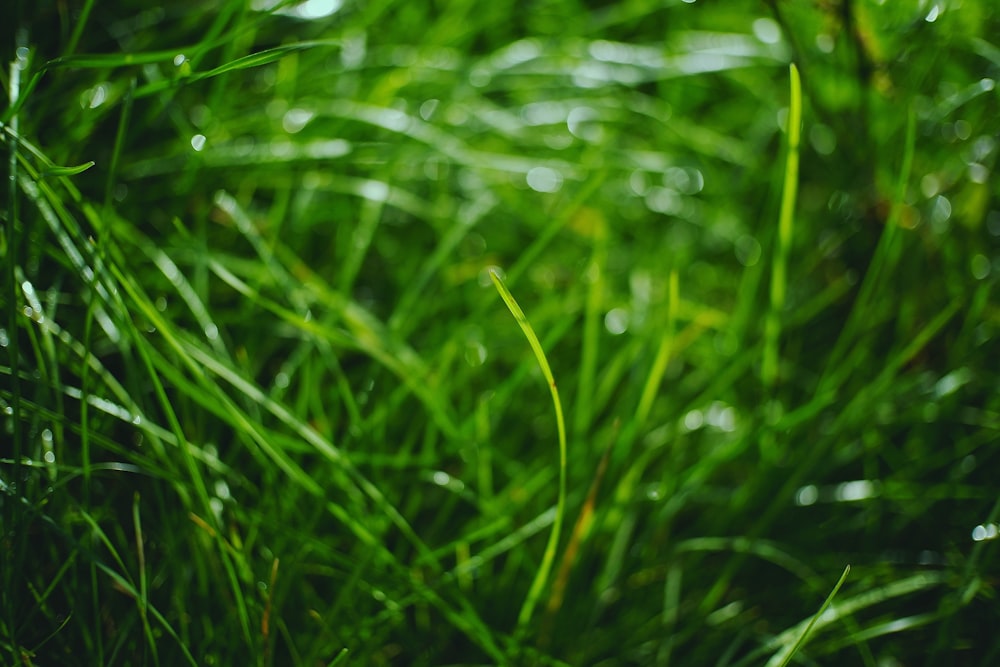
{"x":262,"y":404}
{"x":540,"y":581}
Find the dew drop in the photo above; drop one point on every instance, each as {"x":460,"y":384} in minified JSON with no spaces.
{"x":983,"y":532}
{"x":806,"y":495}
{"x":980,"y":267}
{"x":544,"y":179}
{"x":767,"y":31}
{"x":616,"y":321}
{"x":694,"y":420}
{"x":281,"y":380}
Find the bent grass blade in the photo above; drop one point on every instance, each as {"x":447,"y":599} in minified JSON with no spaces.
{"x":542,"y":575}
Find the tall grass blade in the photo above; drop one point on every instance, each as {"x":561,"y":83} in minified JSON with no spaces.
{"x":542,"y":575}
{"x":659,"y":366}
{"x":772,"y":327}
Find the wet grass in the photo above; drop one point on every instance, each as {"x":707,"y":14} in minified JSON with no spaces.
{"x":262,"y":402}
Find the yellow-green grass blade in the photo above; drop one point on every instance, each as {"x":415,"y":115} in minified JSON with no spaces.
{"x":779,"y":268}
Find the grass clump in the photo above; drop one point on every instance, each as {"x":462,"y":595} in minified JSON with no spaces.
{"x":261,"y":405}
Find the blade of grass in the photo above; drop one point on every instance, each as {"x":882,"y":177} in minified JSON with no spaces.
{"x":341,"y":657}
{"x":146,"y":357}
{"x":772,"y":327}
{"x":805,"y":632}
{"x":581,"y":531}
{"x":13,"y":512}
{"x":662,"y":356}
{"x":142,"y":600}
{"x":542,"y":575}
{"x":258,"y":59}
{"x":125,"y":584}
{"x":912,"y":585}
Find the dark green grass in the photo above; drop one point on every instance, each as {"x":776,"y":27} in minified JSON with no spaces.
{"x":262,"y":405}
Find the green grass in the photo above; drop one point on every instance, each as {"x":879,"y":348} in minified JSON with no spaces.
{"x":542,"y":575}
{"x":262,"y":404}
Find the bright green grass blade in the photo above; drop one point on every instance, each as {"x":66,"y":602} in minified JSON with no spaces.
{"x":805,"y":632}
{"x":662,"y":356}
{"x":341,"y":657}
{"x":772,"y":328}
{"x":916,"y":584}
{"x":57,"y":170}
{"x":245,"y":62}
{"x":542,"y":575}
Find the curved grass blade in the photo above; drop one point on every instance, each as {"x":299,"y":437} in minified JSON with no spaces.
{"x":542,"y":575}
{"x":57,"y":170}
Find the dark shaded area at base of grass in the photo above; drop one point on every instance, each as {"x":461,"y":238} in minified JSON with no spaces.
{"x":262,"y":405}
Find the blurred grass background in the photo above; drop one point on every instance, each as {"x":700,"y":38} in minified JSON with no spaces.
{"x":262,"y":405}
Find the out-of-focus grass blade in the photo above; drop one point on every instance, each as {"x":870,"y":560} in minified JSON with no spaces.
{"x":56,"y":170}
{"x":772,"y":329}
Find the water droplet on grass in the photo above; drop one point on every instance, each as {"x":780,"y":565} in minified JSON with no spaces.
{"x":95,"y":97}
{"x":616,"y":321}
{"x":544,"y":179}
{"x":767,"y":30}
{"x":694,"y":420}
{"x":980,"y":267}
{"x":856,"y":490}
{"x":222,"y":490}
{"x":295,"y":119}
{"x":484,"y":275}
{"x":376,"y":191}
{"x":825,"y":43}
{"x":664,"y":200}
{"x":317,"y":9}
{"x":983,"y":532}
{"x":806,"y":495}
